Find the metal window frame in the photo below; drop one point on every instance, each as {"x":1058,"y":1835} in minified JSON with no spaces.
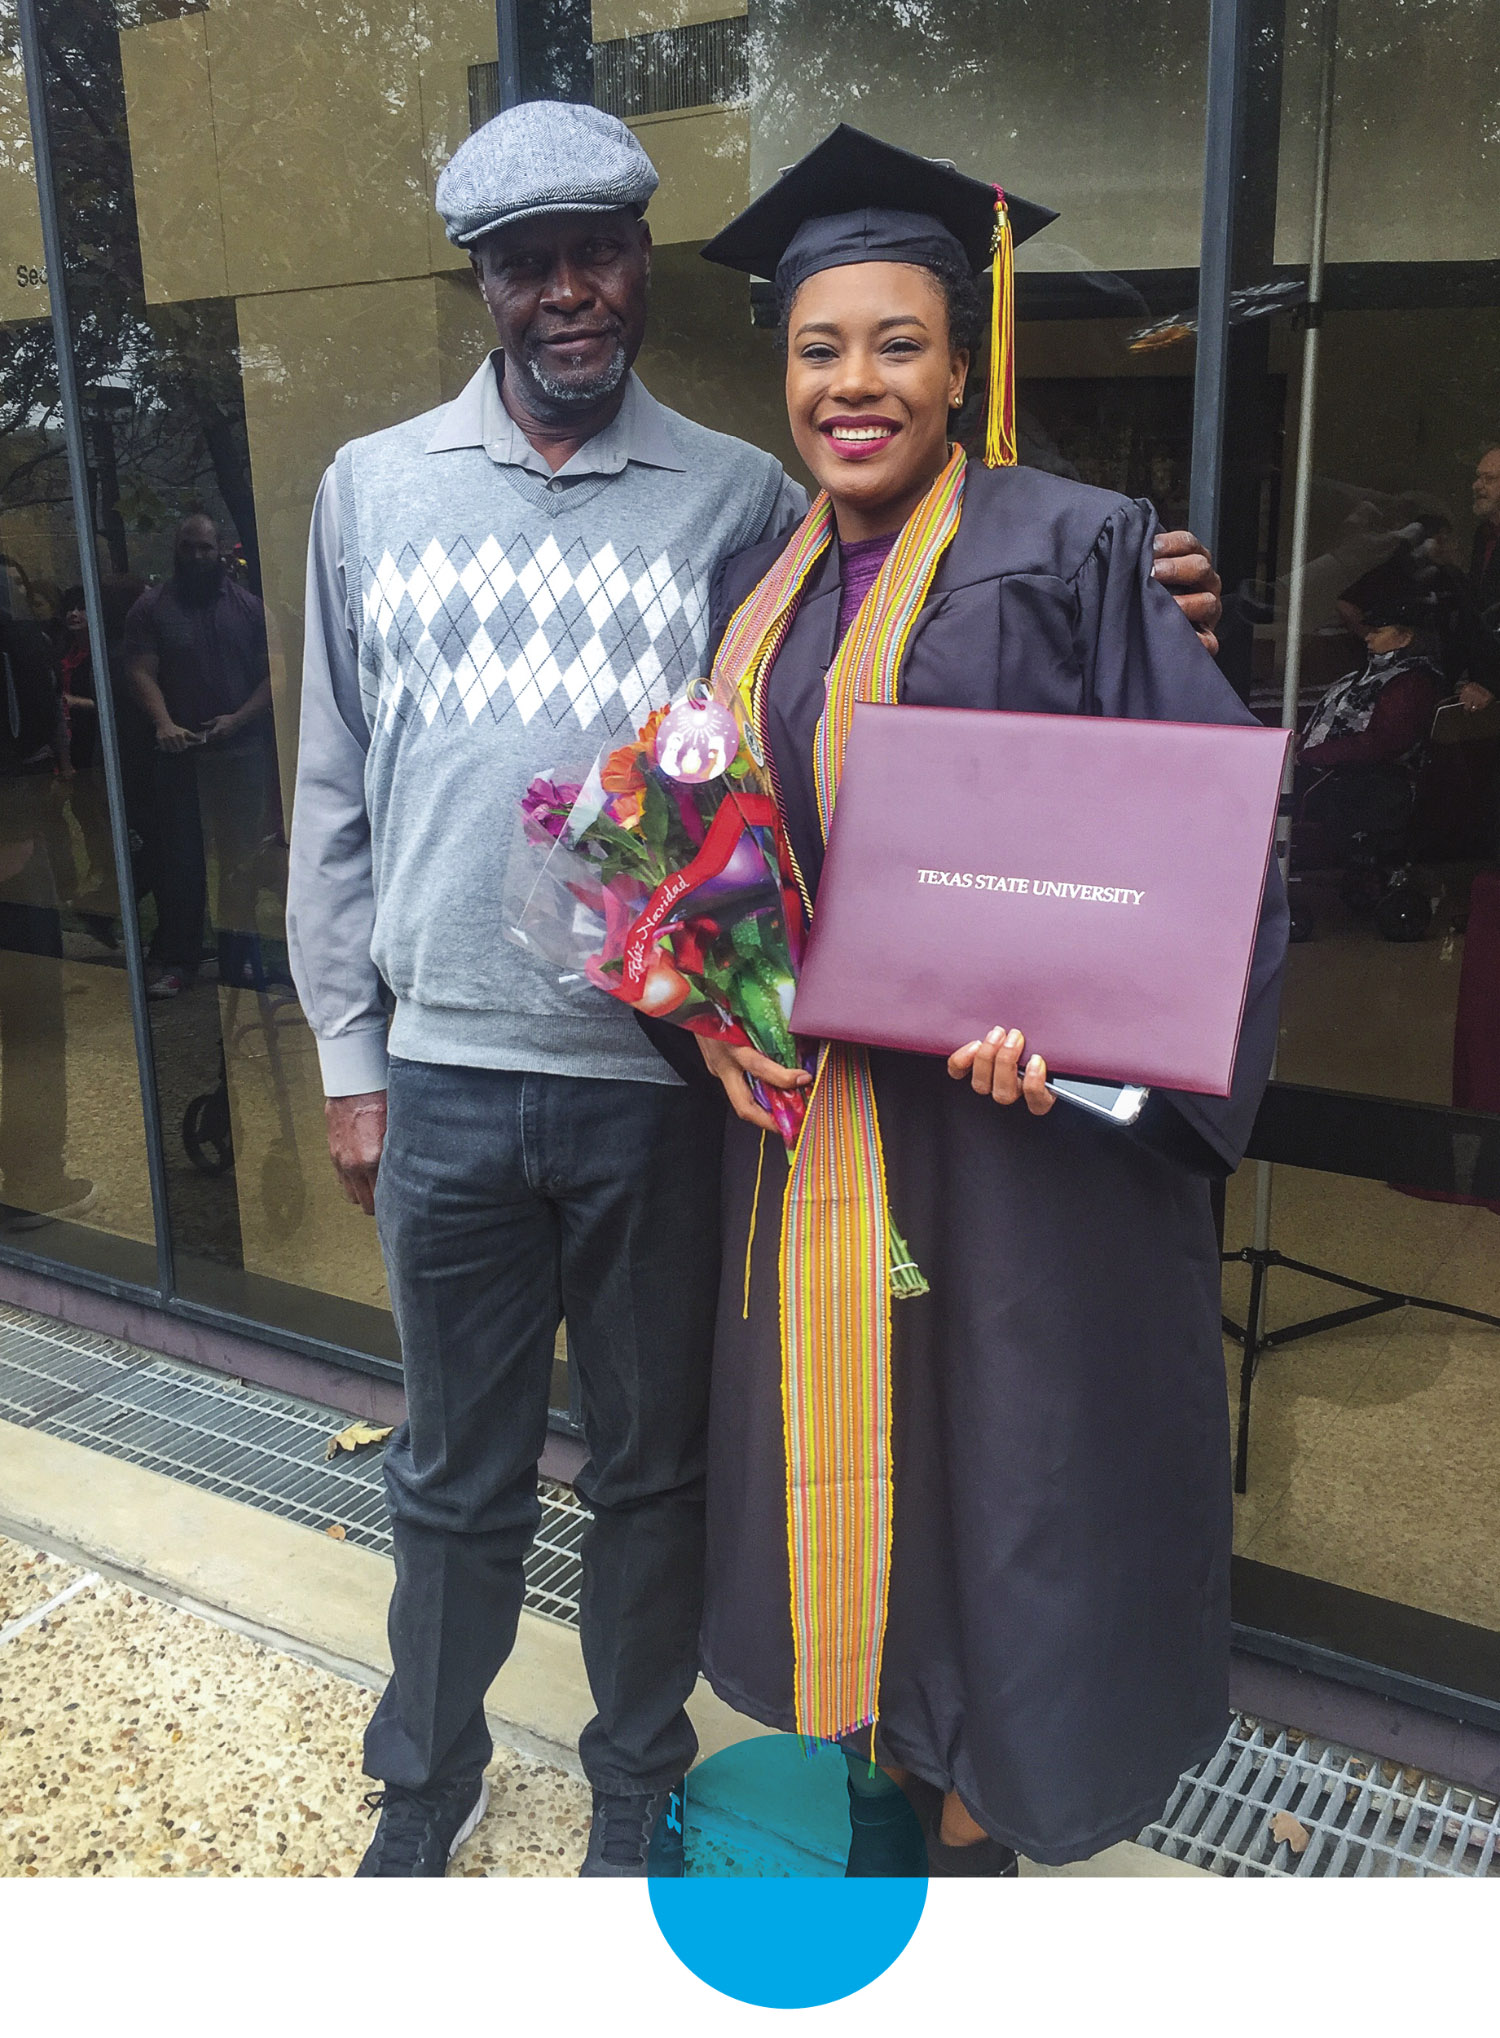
{"x":1223,"y":152}
{"x":508,"y":51}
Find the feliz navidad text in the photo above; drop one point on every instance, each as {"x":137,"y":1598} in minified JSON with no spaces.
{"x":1034,"y":887}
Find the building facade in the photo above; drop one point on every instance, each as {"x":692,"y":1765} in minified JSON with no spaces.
{"x":1271,"y":304}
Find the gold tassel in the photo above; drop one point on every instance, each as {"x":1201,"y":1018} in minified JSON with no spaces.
{"x":1000,"y":406}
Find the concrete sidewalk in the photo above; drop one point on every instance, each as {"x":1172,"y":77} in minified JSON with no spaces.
{"x":196,"y":1705}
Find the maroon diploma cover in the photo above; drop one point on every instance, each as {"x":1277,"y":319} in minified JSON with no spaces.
{"x":1096,"y":883}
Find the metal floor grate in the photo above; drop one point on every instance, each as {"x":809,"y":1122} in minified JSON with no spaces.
{"x":1361,"y":1816}
{"x":248,"y":1443}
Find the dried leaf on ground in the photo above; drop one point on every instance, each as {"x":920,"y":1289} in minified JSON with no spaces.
{"x":337,"y":1531}
{"x":354,"y":1438}
{"x":1295,"y":1834}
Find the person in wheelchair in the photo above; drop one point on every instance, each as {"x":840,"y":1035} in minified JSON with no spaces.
{"x":1364,"y":744}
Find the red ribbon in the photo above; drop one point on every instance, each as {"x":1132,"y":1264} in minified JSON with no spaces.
{"x":738,"y":813}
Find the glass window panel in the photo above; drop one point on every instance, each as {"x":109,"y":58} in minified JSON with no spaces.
{"x":73,"y":1178}
{"x":1029,"y":94}
{"x":1372,"y":1445}
{"x":1390,"y":837}
{"x":1094,"y":107}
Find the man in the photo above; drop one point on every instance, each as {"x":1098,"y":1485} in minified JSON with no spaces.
{"x":1484,"y":564}
{"x":196,"y":661}
{"x":495,"y":591}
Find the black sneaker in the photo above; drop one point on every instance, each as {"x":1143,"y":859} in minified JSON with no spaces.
{"x":636,"y":1835}
{"x":982,"y":1857}
{"x":420,"y":1831}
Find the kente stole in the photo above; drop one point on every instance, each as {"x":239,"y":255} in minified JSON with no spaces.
{"x":836,"y":1254}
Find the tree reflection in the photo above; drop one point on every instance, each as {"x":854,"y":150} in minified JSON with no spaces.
{"x":163,"y":414}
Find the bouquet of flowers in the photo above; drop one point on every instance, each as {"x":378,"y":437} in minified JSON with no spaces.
{"x":663,"y":883}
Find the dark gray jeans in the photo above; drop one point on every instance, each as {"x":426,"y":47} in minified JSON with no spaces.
{"x":506,"y":1201}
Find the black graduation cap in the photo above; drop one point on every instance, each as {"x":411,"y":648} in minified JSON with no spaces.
{"x":856,"y":199}
{"x":1396,"y":591}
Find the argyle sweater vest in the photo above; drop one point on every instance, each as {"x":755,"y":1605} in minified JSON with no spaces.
{"x":511,"y":627}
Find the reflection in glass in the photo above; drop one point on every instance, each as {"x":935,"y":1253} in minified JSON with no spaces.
{"x":73,"y":1179}
{"x":1397,"y":801}
{"x":1394,"y":985}
{"x":221,"y":338}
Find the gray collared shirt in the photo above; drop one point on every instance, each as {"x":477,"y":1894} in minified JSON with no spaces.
{"x":477,"y":417}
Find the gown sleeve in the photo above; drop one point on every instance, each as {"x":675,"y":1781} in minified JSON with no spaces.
{"x":1141,"y":658}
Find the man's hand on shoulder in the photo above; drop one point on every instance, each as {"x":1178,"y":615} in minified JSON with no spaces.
{"x":1187,"y":573}
{"x":356,"y":1134}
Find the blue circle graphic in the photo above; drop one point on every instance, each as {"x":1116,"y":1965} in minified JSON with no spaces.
{"x":787,"y":1945}
{"x":765,"y":1914}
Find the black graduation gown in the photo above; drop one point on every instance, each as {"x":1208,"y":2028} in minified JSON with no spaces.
{"x":1058,"y":1638}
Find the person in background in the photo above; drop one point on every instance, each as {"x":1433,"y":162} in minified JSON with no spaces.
{"x":31,"y":713}
{"x":82,"y":763}
{"x":197,"y":663}
{"x":1468,"y":650}
{"x":1355,"y":778}
{"x":1484,"y":560}
{"x":35,"y":1187}
{"x":76,"y":677}
{"x":1382,"y":711}
{"x":1481,"y":688}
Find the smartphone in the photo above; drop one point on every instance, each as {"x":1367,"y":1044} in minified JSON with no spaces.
{"x":1120,"y":1103}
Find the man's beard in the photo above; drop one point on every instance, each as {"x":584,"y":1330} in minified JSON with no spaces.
{"x":198,"y":580}
{"x":564,"y":396}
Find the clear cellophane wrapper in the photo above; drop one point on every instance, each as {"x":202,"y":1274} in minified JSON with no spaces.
{"x":670,"y":893}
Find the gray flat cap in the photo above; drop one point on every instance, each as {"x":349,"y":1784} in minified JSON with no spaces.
{"x":544,"y":156}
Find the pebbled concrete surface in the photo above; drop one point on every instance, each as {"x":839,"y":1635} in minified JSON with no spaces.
{"x":139,"y":1739}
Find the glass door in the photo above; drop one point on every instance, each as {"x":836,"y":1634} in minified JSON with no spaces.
{"x":1362,"y":562}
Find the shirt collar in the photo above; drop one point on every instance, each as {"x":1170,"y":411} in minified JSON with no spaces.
{"x":477,"y":417}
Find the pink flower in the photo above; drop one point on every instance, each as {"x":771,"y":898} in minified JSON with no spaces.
{"x":545,"y":807}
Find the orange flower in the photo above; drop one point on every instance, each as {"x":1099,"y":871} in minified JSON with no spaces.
{"x":621,"y":770}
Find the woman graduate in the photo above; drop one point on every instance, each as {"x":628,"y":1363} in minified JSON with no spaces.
{"x":1016,"y":1597}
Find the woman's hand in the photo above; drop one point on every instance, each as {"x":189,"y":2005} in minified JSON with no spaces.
{"x":993,"y":1066}
{"x":734,"y":1066}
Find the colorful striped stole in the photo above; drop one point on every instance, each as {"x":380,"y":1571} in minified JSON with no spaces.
{"x":837,"y":1271}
